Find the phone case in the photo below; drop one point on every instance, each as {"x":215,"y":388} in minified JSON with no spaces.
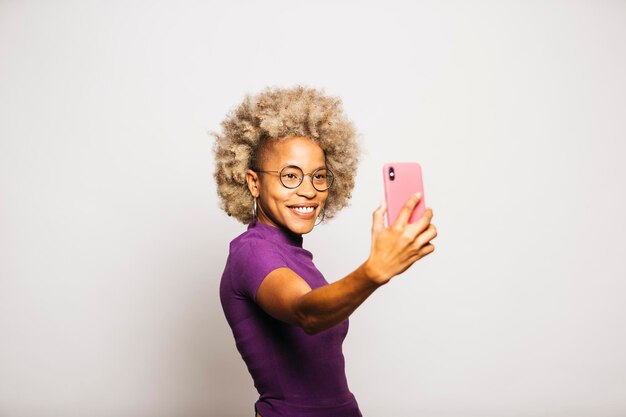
{"x":402,"y":179}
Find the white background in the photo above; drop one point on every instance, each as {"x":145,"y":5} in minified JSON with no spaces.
{"x":112,"y":243}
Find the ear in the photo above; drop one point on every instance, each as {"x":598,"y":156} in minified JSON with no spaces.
{"x":252,"y":178}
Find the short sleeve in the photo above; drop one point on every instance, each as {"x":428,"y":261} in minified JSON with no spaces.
{"x":254,"y":260}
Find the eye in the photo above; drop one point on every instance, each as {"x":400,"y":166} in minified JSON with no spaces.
{"x":290,"y":176}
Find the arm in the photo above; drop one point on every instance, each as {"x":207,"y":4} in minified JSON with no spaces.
{"x":287,"y":297}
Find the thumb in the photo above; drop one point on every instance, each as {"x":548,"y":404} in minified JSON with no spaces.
{"x":378,"y":221}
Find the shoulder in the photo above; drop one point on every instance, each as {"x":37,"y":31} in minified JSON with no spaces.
{"x":250,"y":260}
{"x":252,"y":253}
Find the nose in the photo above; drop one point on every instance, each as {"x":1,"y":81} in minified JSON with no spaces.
{"x":305,"y":188}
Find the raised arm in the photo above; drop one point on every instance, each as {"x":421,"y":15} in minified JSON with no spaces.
{"x":286,"y":296}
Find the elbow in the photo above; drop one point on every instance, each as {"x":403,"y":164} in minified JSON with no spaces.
{"x":311,"y":330}
{"x":308,"y":323}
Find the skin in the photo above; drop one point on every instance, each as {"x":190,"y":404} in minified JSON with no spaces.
{"x":284,"y":294}
{"x":275,"y":202}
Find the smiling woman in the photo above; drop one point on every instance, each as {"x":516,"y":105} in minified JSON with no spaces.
{"x":285,"y":200}
{"x":264,"y":120}
{"x":288,"y":322}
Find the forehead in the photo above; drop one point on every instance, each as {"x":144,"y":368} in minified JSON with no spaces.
{"x":298,"y":150}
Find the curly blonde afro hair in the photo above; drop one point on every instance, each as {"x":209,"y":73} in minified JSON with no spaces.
{"x":276,"y":114}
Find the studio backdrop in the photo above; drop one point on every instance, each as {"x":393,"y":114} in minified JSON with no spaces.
{"x":112,"y":242}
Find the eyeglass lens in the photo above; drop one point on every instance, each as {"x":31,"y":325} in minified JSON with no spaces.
{"x":292,"y":177}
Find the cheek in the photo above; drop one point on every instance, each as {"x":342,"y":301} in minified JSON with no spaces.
{"x":274,"y":196}
{"x":324,"y":199}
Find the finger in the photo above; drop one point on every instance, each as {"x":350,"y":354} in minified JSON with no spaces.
{"x":407,"y":209}
{"x":428,"y":249}
{"x":432,"y":230}
{"x":424,"y":238}
{"x":378,"y":218}
{"x":415,"y":229}
{"x":425,"y":251}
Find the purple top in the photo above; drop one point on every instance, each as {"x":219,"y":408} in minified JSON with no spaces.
{"x":296,"y":374}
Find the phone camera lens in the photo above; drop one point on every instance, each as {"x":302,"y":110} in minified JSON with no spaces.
{"x":392,"y":174}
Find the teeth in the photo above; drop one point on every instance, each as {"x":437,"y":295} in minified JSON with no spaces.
{"x":304,"y":210}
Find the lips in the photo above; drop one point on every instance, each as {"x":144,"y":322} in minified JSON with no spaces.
{"x":305,"y":211}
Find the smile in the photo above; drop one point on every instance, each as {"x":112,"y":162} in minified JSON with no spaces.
{"x":303,"y":211}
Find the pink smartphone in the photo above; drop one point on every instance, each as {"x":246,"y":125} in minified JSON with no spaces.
{"x":402,"y":179}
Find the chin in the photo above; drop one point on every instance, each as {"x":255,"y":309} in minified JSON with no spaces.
{"x":298,"y":223}
{"x":300,"y":228}
{"x":291,"y":221}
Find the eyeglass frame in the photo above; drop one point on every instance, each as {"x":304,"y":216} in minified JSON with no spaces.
{"x":310,"y":174}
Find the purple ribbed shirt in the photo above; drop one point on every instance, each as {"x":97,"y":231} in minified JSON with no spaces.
{"x":296,"y":374}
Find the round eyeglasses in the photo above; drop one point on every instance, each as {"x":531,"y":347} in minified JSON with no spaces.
{"x":292,"y":176}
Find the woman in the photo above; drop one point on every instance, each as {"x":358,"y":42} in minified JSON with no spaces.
{"x":287,"y":159}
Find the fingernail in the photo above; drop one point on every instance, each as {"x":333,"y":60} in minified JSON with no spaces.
{"x":418,"y":194}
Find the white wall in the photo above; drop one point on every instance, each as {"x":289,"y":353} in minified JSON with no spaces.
{"x":112,"y":244}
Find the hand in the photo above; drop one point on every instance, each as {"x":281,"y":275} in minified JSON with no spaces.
{"x":397,"y":247}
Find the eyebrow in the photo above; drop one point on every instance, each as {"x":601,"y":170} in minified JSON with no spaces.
{"x":325,"y":166}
